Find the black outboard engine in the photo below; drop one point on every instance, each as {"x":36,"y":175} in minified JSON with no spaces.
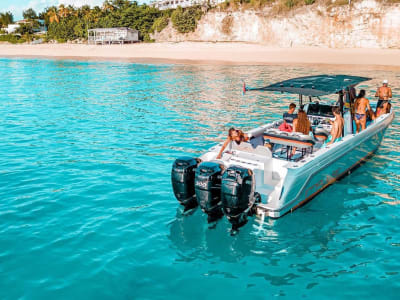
{"x":182,"y":177}
{"x":238,"y":195}
{"x":208,"y":189}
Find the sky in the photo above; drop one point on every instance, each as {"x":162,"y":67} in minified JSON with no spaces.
{"x":17,"y":6}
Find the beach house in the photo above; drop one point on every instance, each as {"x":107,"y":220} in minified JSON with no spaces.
{"x":116,"y":35}
{"x":12,"y":28}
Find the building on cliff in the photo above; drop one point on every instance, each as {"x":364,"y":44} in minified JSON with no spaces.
{"x":167,"y":4}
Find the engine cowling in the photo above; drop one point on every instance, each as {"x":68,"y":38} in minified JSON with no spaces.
{"x":237,"y":194}
{"x":208,"y":189}
{"x":182,"y":177}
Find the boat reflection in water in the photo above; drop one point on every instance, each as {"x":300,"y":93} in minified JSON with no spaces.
{"x":276,"y":171}
{"x":195,"y":239}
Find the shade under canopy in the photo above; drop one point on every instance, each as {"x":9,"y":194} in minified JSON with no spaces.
{"x":318,"y":85}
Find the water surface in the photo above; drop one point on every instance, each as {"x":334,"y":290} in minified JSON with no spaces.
{"x":87,"y":209}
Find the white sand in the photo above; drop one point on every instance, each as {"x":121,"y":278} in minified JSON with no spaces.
{"x":208,"y":53}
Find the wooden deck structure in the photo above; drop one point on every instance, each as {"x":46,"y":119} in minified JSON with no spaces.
{"x":117,"y":35}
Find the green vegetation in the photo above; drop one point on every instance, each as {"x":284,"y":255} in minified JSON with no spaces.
{"x":29,"y":14}
{"x":67,"y":23}
{"x":185,"y":20}
{"x":278,"y":5}
{"x":6,"y":18}
{"x":11,"y":38}
{"x":160,"y":23}
{"x":226,"y":25}
{"x":340,"y":2}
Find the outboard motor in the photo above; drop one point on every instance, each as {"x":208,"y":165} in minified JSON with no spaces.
{"x":208,"y":189}
{"x":238,"y":195}
{"x":182,"y":177}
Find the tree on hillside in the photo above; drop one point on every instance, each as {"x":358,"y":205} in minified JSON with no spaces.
{"x":25,"y":28}
{"x":63,"y":11}
{"x":121,"y":4}
{"x":52,"y":15}
{"x":29,"y":14}
{"x":6,"y":18}
{"x":107,"y":6}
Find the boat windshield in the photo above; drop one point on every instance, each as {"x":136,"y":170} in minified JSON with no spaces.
{"x":320,"y":110}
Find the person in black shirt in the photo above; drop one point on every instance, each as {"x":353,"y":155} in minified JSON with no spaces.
{"x":289,"y":116}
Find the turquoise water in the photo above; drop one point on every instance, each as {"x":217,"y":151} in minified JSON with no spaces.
{"x":87,"y":209}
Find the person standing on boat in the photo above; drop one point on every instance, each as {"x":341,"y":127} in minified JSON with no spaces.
{"x":288,"y":118}
{"x":351,"y":95}
{"x":337,"y":127}
{"x":360,"y":106}
{"x":234,"y":135}
{"x":384,"y":93}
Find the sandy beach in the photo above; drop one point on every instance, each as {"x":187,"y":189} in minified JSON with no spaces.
{"x":208,"y":53}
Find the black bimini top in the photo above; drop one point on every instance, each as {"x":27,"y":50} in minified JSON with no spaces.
{"x":317,"y":85}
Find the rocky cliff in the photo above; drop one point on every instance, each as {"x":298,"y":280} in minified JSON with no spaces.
{"x":363,"y":24}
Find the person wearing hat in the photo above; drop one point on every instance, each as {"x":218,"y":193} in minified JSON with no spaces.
{"x":384,"y":93}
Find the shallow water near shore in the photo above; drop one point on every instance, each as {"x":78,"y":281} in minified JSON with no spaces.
{"x":87,"y":210}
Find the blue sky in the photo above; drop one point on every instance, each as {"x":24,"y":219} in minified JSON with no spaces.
{"x":17,"y":6}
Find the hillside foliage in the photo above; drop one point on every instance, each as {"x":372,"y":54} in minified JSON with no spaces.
{"x":160,"y":23}
{"x":66,"y":23}
{"x":185,"y":20}
{"x":6,"y":18}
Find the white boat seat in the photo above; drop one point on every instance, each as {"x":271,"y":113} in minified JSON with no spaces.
{"x":321,"y":134}
{"x":256,"y":132}
{"x":293,"y":139}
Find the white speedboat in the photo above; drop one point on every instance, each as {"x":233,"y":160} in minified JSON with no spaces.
{"x":252,"y":178}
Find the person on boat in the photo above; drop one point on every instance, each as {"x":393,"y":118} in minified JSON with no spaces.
{"x":288,"y":118}
{"x":352,"y":95}
{"x":234,"y":135}
{"x":381,"y":110}
{"x":337,"y":127}
{"x":360,"y":106}
{"x":384,"y":93}
{"x":301,"y":124}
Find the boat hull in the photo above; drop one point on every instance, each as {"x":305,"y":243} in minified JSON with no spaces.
{"x":302,"y":183}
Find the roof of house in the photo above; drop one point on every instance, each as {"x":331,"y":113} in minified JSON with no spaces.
{"x":112,"y":29}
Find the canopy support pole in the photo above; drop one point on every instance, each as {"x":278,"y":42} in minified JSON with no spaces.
{"x":300,"y":99}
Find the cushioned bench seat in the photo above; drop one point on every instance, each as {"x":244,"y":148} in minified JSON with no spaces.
{"x":293,"y":139}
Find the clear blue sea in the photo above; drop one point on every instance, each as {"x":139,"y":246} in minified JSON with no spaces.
{"x":86,"y":205}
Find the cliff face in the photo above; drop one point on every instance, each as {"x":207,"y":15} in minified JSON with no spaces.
{"x":365,"y":24}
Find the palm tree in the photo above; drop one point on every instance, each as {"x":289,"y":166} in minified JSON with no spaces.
{"x":63,"y":11}
{"x":52,"y":13}
{"x":107,"y":6}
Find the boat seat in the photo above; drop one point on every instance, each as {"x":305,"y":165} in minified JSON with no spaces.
{"x":321,"y":134}
{"x":256,"y":132}
{"x":293,"y":139}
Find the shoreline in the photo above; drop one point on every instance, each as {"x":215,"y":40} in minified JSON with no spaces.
{"x":207,"y":53}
